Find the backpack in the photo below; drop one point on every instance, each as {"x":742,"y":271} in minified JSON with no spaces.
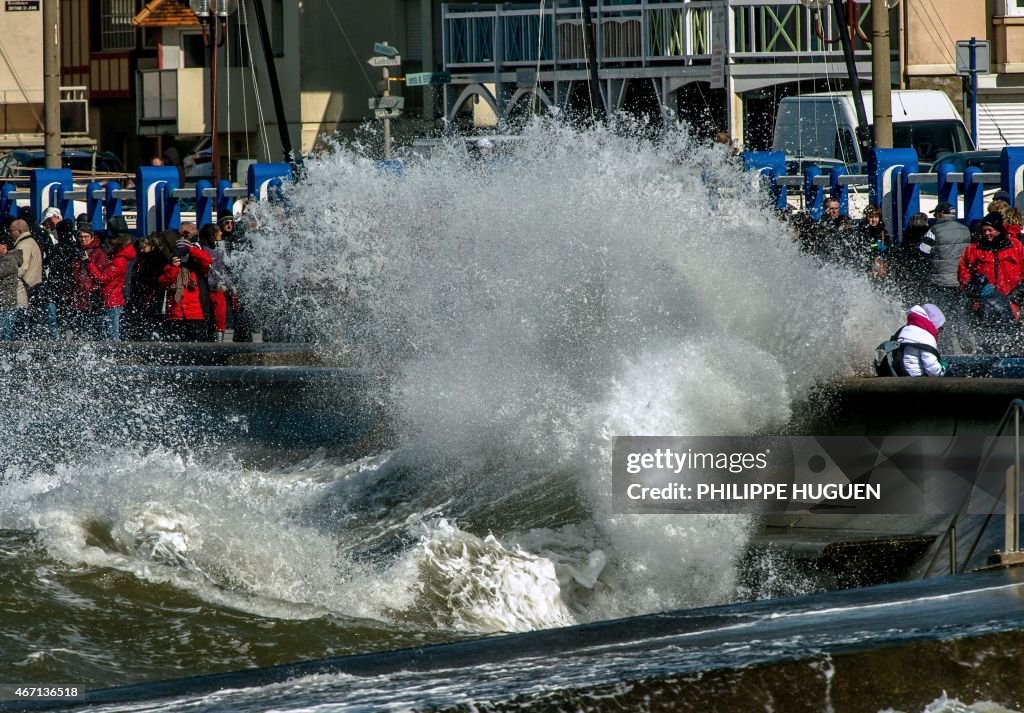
{"x":889,"y":355}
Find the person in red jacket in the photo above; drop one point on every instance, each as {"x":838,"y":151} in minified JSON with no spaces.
{"x":110,"y":278}
{"x":86,"y":298}
{"x":186,"y":319}
{"x":997,"y":257}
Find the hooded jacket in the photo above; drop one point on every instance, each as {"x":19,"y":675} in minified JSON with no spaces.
{"x":1000,"y":260}
{"x":111,"y":277}
{"x":920,"y":329}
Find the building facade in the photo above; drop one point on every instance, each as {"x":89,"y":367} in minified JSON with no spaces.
{"x":722,"y":64}
{"x":142,"y":68}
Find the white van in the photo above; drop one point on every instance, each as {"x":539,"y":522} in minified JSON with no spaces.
{"x":824,"y":125}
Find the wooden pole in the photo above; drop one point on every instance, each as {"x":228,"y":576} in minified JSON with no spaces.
{"x":881,"y":74}
{"x":51,"y":82}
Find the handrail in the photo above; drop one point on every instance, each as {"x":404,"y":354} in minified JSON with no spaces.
{"x":1012,"y":543}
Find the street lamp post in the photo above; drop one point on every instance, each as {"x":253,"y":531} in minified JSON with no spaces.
{"x":214,"y":13}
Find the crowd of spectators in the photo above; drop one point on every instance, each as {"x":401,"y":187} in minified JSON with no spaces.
{"x":973,"y":274}
{"x":62,"y":279}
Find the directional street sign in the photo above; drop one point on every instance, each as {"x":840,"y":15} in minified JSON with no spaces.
{"x":381,"y":61}
{"x":423,"y":79}
{"x":388,"y":50}
{"x":387,"y":113}
{"x":387,"y":102}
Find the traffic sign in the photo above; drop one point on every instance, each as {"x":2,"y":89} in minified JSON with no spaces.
{"x":423,"y":79}
{"x":387,"y":102}
{"x":387,"y":113}
{"x":385,"y":49}
{"x":982,"y":57}
{"x":381,"y":61}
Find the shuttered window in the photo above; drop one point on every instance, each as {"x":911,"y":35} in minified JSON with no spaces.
{"x":1000,"y":122}
{"x":413,"y":31}
{"x":116,"y":31}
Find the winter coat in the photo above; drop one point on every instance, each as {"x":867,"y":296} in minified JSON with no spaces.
{"x":917,"y":362}
{"x":9,"y":264}
{"x":87,"y":296}
{"x":943,"y":245}
{"x":184,"y":300}
{"x":60,"y":265}
{"x":1001,"y":261}
{"x":31,"y":270}
{"x":111,"y":276}
{"x":146,"y":296}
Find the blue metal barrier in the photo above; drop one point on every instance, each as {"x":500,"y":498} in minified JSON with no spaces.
{"x":771,"y":165}
{"x":1011,"y":164}
{"x":156,"y":194}
{"x":814,"y":194}
{"x":894,"y":184}
{"x":974,"y":196}
{"x":839,"y":190}
{"x":46,"y":188}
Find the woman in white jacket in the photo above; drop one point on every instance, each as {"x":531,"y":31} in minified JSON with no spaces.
{"x":920,"y":341}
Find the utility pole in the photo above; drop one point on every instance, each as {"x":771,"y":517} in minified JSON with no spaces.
{"x":881,"y":74}
{"x":214,"y":144}
{"x":51,"y":82}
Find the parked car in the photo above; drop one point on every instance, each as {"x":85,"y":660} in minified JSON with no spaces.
{"x":14,"y":163}
{"x":199,"y":163}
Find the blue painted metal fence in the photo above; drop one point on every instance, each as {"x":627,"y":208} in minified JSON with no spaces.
{"x":157,"y":196}
{"x":894,"y":184}
{"x":893,"y":181}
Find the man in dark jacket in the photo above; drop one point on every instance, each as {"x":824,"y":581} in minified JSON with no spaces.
{"x":940,"y":249}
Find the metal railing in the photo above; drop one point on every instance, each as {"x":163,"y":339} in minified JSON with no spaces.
{"x":645,"y":32}
{"x":1010,"y":495}
{"x":895,"y":187}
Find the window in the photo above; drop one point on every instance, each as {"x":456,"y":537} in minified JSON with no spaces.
{"x":116,"y":31}
{"x":193,"y":50}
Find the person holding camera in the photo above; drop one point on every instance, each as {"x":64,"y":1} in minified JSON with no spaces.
{"x":87,"y":300}
{"x":186,"y":318}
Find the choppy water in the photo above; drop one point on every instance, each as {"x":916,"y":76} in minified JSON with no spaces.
{"x":526,"y":312}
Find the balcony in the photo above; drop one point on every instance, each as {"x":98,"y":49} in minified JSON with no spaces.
{"x":649,"y":35}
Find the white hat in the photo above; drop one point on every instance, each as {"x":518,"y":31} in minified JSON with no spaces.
{"x":52,"y":212}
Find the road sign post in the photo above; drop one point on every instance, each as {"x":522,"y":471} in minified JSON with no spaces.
{"x":386,"y":107}
{"x":973,"y":57}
